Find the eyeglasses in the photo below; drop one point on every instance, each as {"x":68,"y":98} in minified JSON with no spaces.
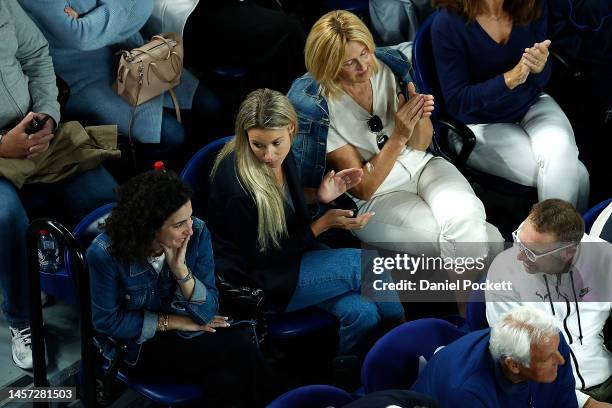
{"x":376,"y":125}
{"x":529,"y":253}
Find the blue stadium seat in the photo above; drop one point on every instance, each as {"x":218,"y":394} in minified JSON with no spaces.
{"x":312,"y":396}
{"x":78,"y":277}
{"x":393,"y":362}
{"x":165,"y":394}
{"x":591,"y":215}
{"x":60,"y":284}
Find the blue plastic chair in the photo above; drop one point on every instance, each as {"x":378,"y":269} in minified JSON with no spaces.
{"x":60,"y":283}
{"x":279,"y":326}
{"x":426,"y":78}
{"x":161,"y":393}
{"x":590,"y":216}
{"x":393,"y":362}
{"x":312,"y":396}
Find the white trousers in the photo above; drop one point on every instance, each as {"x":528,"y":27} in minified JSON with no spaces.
{"x":538,"y":151}
{"x":436,"y":214}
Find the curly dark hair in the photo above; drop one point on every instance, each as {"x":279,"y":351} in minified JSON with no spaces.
{"x":522,"y":12}
{"x":143,"y":205}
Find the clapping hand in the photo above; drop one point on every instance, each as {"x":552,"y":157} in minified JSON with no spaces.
{"x":428,"y":100}
{"x":335,"y":184}
{"x":535,"y":57}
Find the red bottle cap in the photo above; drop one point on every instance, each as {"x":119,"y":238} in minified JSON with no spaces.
{"x":159,"y":165}
{"x":44,"y":232}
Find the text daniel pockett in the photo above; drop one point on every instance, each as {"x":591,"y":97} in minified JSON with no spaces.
{"x":426,"y":285}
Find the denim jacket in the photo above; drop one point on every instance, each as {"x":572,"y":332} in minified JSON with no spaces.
{"x":126,"y":297}
{"x":310,"y":142}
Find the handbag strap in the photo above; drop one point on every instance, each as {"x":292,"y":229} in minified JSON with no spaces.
{"x":160,"y":75}
{"x":177,"y":109}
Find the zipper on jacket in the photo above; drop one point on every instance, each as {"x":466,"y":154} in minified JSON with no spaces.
{"x":571,"y":340}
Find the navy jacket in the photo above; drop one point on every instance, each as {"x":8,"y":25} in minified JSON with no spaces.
{"x":126,"y":298}
{"x":463,"y":374}
{"x":471,"y":65}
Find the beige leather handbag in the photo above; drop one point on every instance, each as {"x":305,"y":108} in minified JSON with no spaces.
{"x":150,"y":70}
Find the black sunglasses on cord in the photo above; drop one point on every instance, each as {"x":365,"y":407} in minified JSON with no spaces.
{"x":375,"y":125}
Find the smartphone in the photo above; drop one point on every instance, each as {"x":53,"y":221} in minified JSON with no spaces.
{"x":36,"y":125}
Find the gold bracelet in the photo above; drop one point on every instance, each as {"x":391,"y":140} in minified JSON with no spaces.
{"x":162,"y":322}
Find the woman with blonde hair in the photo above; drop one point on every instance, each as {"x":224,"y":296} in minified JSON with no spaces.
{"x":360,"y":104}
{"x":262,"y":231}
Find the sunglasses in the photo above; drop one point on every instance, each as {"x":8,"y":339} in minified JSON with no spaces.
{"x":529,"y":253}
{"x":375,"y":125}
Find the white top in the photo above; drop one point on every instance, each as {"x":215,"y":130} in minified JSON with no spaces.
{"x":170,"y":16}
{"x":349,"y":125}
{"x":157,"y":262}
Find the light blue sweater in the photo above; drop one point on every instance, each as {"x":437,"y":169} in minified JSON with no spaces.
{"x":83,"y":54}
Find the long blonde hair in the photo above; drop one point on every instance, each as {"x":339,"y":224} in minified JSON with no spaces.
{"x":325,"y":49}
{"x":262,"y":109}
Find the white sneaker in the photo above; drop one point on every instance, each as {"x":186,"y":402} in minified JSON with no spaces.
{"x":21,"y":340}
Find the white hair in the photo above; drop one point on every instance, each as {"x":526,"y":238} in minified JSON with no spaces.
{"x":517,"y":330}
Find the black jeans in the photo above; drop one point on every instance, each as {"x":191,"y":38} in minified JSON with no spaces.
{"x":226,"y":363}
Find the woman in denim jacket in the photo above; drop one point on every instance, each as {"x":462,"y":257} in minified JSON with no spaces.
{"x":153,"y":287}
{"x":350,"y":114}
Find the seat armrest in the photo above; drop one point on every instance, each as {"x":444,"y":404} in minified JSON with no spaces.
{"x":565,"y":62}
{"x":465,"y":133}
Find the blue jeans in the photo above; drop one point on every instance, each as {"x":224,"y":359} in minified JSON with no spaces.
{"x":331,"y":280}
{"x":75,"y":196}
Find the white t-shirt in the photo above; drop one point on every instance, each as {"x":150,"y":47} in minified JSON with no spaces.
{"x":157,"y":262}
{"x":349,"y":125}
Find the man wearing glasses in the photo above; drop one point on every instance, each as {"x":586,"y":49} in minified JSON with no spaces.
{"x":555,"y":267}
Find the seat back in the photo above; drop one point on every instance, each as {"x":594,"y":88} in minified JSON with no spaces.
{"x":85,"y":232}
{"x":596,"y":225}
{"x":78,"y":276}
{"x":393,"y":362}
{"x":312,"y":396}
{"x":426,"y":76}
{"x":196,"y":173}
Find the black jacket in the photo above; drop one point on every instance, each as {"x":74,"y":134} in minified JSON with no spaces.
{"x":232,"y":220}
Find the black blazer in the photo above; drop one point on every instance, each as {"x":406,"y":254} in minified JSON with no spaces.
{"x":232,"y":220}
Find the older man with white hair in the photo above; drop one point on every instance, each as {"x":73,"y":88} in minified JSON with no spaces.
{"x":520,"y":362}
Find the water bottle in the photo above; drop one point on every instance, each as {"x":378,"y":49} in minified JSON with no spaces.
{"x":48,"y":252}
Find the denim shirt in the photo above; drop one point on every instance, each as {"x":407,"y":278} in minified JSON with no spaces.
{"x":126,"y":297}
{"x":310,"y":142}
